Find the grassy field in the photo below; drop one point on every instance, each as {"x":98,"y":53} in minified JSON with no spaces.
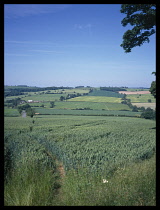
{"x":83,"y":105}
{"x":45,"y":111}
{"x":136,"y":89}
{"x":145,"y":105}
{"x":97,"y":99}
{"x":9,"y":112}
{"x":142,"y":98}
{"x":45,"y":97}
{"x":108,"y":161}
{"x":85,"y":151}
{"x":105,"y":93}
{"x":91,"y":105}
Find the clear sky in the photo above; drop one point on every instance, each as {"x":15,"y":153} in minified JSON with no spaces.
{"x":71,"y":45}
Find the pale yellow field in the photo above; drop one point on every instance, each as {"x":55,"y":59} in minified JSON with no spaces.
{"x":134,"y":92}
{"x":145,"y":105}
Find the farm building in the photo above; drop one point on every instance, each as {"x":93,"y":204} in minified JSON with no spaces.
{"x":30,"y":101}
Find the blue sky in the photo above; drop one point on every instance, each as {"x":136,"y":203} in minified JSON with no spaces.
{"x":70,"y":45}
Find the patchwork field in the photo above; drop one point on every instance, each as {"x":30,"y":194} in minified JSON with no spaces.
{"x":88,"y":150}
{"x":145,"y":105}
{"x":141,"y":98}
{"x":95,"y":152}
{"x":45,"y":111}
{"x":97,"y":99}
{"x":90,"y":105}
{"x":134,"y":92}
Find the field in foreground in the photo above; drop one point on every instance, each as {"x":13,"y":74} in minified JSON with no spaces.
{"x":107,"y":161}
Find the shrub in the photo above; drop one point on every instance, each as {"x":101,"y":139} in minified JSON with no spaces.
{"x":135,"y":109}
{"x":149,"y":114}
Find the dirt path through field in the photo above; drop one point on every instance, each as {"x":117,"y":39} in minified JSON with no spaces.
{"x":61,"y":171}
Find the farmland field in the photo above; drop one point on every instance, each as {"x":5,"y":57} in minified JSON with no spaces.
{"x":45,"y":111}
{"x":91,"y":105}
{"x":11,"y":112}
{"x":145,"y":105}
{"x":97,"y":99}
{"x":87,"y":150}
{"x":44,"y":97}
{"x":141,"y":98}
{"x":90,"y":140}
{"x":134,"y":92}
{"x":91,"y":149}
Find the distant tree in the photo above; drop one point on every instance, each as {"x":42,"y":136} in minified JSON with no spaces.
{"x":30,"y":112}
{"x":149,"y":100}
{"x":149,"y":114}
{"x":143,"y":19}
{"x":124,"y":97}
{"x":153,"y":87}
{"x":134,"y":109}
{"x":142,"y":109}
{"x":124,"y":102}
{"x":51,"y":104}
{"x":62,"y":98}
{"x":23,"y":107}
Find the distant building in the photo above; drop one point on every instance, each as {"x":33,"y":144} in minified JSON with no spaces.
{"x":30,"y":101}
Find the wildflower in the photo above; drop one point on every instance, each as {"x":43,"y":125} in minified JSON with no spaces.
{"x":105,"y":181}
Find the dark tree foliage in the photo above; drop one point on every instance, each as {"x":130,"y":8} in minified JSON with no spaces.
{"x":114,"y":89}
{"x":149,"y":114}
{"x":153,"y":87}
{"x":143,"y":19}
{"x":19,"y":90}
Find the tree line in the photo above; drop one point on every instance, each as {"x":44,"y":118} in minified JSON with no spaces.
{"x":14,"y":91}
{"x":114,"y":89}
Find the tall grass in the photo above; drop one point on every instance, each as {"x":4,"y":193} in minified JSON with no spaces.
{"x":132,"y":185}
{"x":30,"y":185}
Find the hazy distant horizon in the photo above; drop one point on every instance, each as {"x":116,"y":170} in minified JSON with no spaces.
{"x":134,"y":87}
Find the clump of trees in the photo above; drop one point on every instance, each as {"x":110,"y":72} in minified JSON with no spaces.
{"x":52,"y":104}
{"x":142,"y":17}
{"x":13,"y":102}
{"x":114,"y":89}
{"x":146,"y":113}
{"x":69,"y":96}
{"x":29,"y":111}
{"x":149,"y":114}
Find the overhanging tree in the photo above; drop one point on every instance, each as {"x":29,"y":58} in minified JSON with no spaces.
{"x":153,"y":87}
{"x":143,"y":19}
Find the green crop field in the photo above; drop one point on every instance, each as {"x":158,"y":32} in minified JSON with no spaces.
{"x":8,"y":112}
{"x":45,"y":111}
{"x":91,"y":105}
{"x":87,"y":150}
{"x":96,"y":99}
{"x":83,"y":105}
{"x":96,"y":142}
{"x":141,"y":98}
{"x":137,"y":89}
{"x":96,"y":153}
{"x":105,"y":93}
{"x":45,"y":97}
